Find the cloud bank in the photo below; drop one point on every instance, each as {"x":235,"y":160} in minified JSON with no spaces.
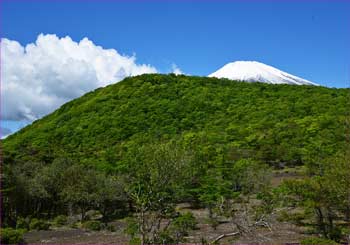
{"x":38,"y":78}
{"x":176,"y":70}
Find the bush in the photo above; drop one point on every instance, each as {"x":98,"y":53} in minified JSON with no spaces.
{"x":22,"y":223}
{"x":295,"y":218}
{"x":38,"y":224}
{"x":93,"y":225}
{"x":111,"y":228}
{"x":180,"y":228}
{"x":335,"y":234}
{"x":186,"y":221}
{"x":74,"y":225}
{"x":316,"y":241}
{"x":345,"y":231}
{"x":165,"y":237}
{"x":60,"y":220}
{"x":11,"y":236}
{"x":132,"y":227}
{"x":135,"y":240}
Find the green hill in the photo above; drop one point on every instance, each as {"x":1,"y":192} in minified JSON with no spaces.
{"x":274,"y":123}
{"x":141,"y":147}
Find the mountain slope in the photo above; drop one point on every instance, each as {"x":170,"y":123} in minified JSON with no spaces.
{"x":252,"y":71}
{"x":272,"y":122}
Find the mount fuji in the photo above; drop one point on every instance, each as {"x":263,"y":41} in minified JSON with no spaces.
{"x":253,"y":71}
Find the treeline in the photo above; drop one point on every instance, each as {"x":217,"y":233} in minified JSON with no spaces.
{"x":45,"y":191}
{"x":161,"y":175}
{"x":155,"y":178}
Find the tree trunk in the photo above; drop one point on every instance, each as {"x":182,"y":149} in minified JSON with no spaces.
{"x":142,"y":226}
{"x":320,"y":221}
{"x":210,"y":212}
{"x":347,"y":213}
{"x":83,"y":213}
{"x":70,"y":210}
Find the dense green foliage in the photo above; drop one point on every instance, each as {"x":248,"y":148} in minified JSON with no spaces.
{"x":11,"y":236}
{"x":326,"y":195}
{"x":141,"y":146}
{"x":60,"y":220}
{"x":38,"y":224}
{"x":93,"y":225}
{"x":275,"y":123}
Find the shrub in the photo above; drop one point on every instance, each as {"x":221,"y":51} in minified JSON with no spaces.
{"x":111,"y":228}
{"x":283,"y":216}
{"x":132,"y":227}
{"x":74,"y":225}
{"x":165,"y":237}
{"x":345,"y":231}
{"x":335,"y":234}
{"x":135,"y":240}
{"x":60,"y":220}
{"x":316,"y":241}
{"x":180,"y":228}
{"x":22,"y":223}
{"x":11,"y":236}
{"x":185,"y":221}
{"x":38,"y":224}
{"x":295,"y":218}
{"x":93,"y":225}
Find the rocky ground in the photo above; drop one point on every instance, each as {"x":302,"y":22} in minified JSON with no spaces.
{"x":280,"y":233}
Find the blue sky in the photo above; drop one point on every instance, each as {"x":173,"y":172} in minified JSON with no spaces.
{"x":309,"y":39}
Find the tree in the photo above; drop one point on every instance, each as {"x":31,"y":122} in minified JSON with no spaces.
{"x":326,"y":193}
{"x":110,"y":193}
{"x":80,"y":188}
{"x":250,"y":179}
{"x":159,"y":176}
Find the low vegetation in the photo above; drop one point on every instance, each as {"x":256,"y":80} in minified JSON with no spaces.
{"x":11,"y":236}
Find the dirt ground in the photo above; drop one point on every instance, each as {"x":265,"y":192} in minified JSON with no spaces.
{"x":281,"y":233}
{"x":76,"y":236}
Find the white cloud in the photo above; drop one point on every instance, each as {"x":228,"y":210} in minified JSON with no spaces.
{"x":38,"y":78}
{"x":176,"y":70}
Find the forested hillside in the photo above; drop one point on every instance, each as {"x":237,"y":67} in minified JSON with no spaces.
{"x":140,"y":147}
{"x":278,"y":123}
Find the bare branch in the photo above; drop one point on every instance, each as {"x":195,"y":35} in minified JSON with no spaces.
{"x":224,"y":235}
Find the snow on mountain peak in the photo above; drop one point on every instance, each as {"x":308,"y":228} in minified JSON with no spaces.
{"x":253,"y":71}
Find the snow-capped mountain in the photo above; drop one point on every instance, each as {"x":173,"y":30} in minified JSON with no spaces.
{"x":253,"y":71}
